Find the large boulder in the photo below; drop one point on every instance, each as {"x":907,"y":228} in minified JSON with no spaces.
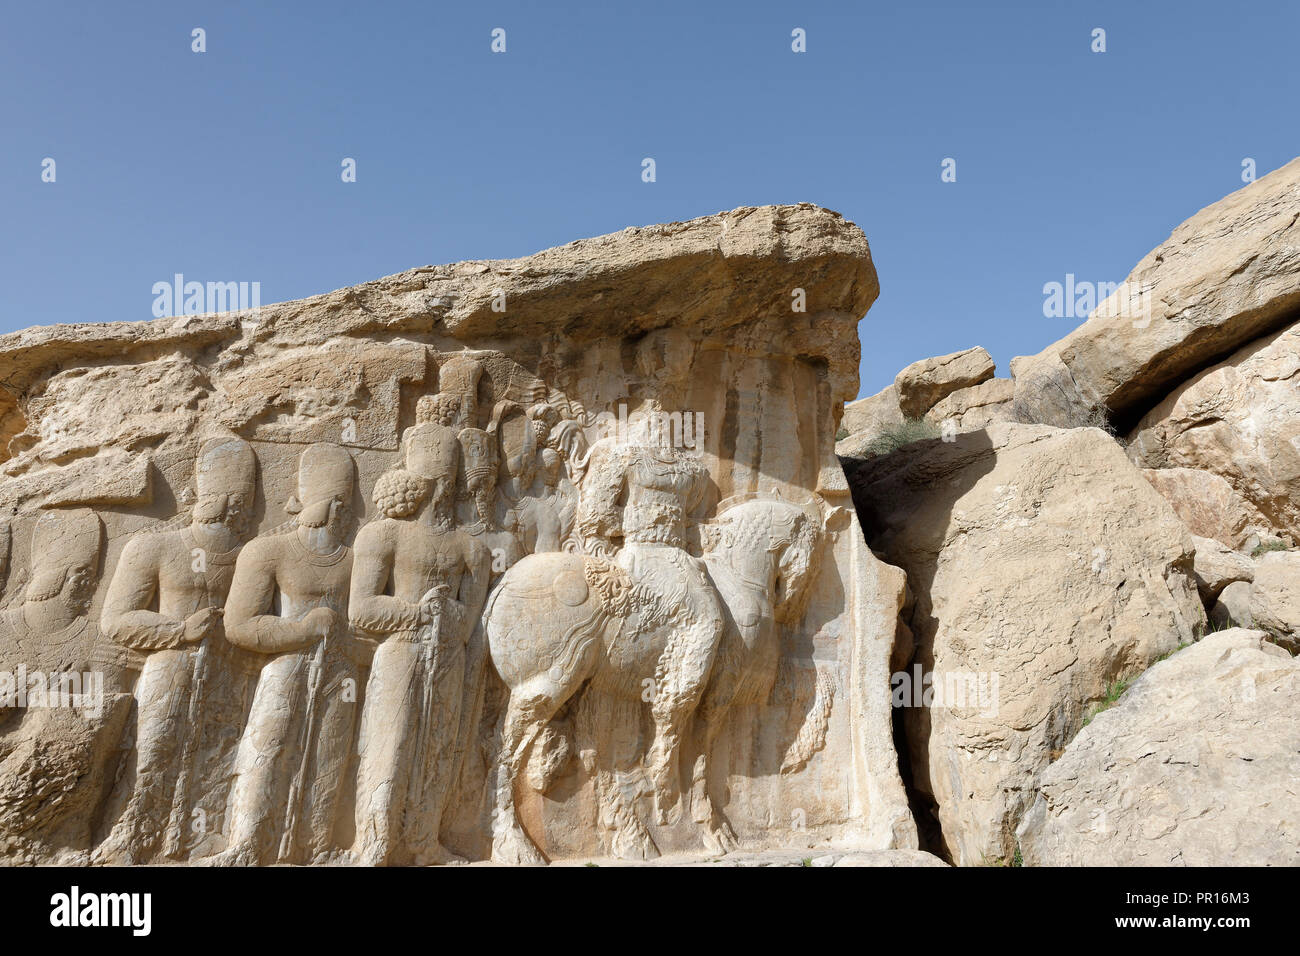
{"x":1240,"y":421}
{"x":1198,"y":764}
{"x":1275,"y":597}
{"x":926,"y":382}
{"x":880,"y":422}
{"x":1216,"y":566}
{"x":1044,"y":568}
{"x":1232,"y":607}
{"x":866,"y":420}
{"x":1228,"y":275}
{"x":976,"y":407}
{"x":1207,"y":504}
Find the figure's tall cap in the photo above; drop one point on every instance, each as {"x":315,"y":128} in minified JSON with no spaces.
{"x":431,"y":451}
{"x":459,"y":375}
{"x":226,"y":466}
{"x":325,"y":472}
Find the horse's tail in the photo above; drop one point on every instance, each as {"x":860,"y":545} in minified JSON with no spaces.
{"x":549,"y":759}
{"x":812,"y":735}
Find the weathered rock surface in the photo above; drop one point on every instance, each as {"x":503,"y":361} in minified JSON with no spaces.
{"x":349,"y":563}
{"x":1232,"y":607}
{"x":1207,"y":503}
{"x":924,"y":383}
{"x":867,"y":419}
{"x":1228,"y":275}
{"x":1240,"y":421}
{"x":1216,"y":566}
{"x":815,"y":857}
{"x":970,"y":409}
{"x":1198,"y":764}
{"x":1275,"y":597}
{"x":1044,"y":567}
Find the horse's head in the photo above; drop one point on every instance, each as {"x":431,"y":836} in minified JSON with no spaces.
{"x":771,"y":538}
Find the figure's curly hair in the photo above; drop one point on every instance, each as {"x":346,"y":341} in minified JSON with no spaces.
{"x":443,"y":408}
{"x":399,"y":493}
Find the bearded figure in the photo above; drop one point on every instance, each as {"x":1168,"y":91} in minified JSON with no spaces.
{"x":49,"y":630}
{"x":289,"y":602}
{"x":47,"y":638}
{"x":418,"y":587}
{"x":163,"y":609}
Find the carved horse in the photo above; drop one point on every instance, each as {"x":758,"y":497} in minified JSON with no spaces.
{"x":560,"y":620}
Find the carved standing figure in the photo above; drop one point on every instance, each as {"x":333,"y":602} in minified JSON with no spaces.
{"x":546,"y":518}
{"x":165,"y":601}
{"x":45,"y":635}
{"x":289,"y":601}
{"x":418,"y":586}
{"x":49,"y":629}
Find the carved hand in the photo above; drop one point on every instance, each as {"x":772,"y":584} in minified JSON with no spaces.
{"x":431,"y":604}
{"x":319,"y":623}
{"x":202,"y":623}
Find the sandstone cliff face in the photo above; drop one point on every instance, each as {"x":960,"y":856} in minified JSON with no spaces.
{"x":379,"y":485}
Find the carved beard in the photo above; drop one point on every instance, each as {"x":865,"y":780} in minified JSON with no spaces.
{"x":317,"y":514}
{"x":215,"y":509}
{"x":46,"y":584}
{"x":61,"y":583}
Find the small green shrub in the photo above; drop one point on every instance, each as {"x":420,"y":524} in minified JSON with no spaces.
{"x":1114,"y":691}
{"x":896,"y":436}
{"x":1266,"y":546}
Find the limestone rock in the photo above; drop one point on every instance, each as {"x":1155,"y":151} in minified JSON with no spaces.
{"x":1232,"y":607}
{"x":1216,"y":566}
{"x":1207,"y":503}
{"x":925,"y":383}
{"x":868,"y":414}
{"x":976,"y":407}
{"x":453,"y":527}
{"x":1228,"y":275}
{"x":817,"y":858}
{"x":1238,"y":420}
{"x":1275,"y":597}
{"x":866,"y":419}
{"x":1197,"y":763}
{"x":1044,"y":568}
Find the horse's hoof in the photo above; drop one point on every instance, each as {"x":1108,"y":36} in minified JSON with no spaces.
{"x":666,"y":805}
{"x":231,"y":856}
{"x":720,"y":840}
{"x":439,"y":855}
{"x":515,"y":849}
{"x":114,"y":853}
{"x":370,"y":855}
{"x":637,"y":846}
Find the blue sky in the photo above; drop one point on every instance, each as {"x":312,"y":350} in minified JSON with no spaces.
{"x":225,"y":165}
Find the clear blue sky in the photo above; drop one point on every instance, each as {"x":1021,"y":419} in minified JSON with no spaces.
{"x":225,"y":166}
